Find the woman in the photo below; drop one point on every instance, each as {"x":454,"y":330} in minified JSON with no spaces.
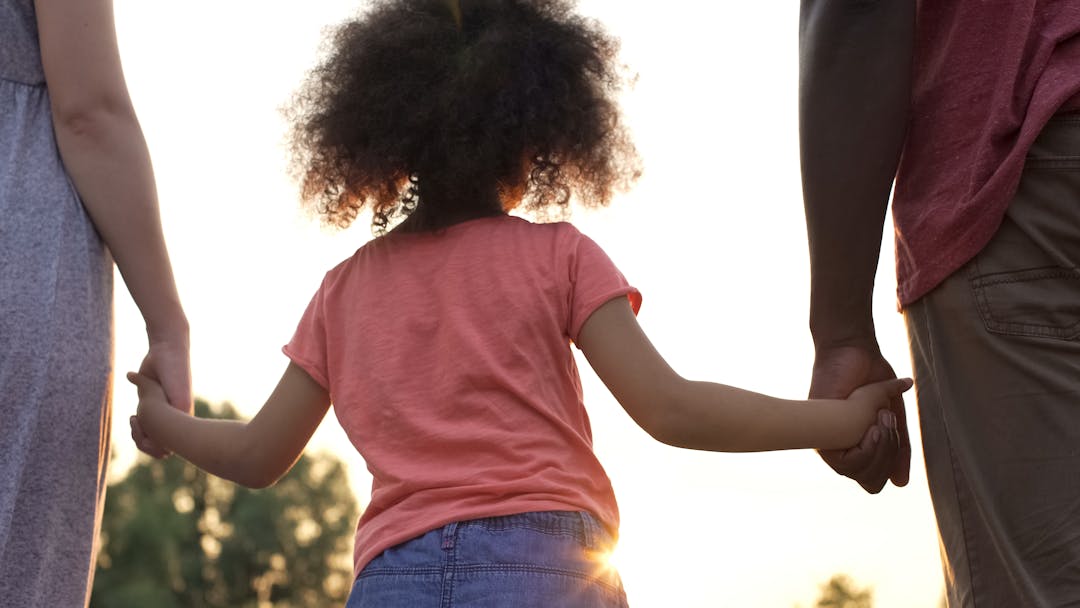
{"x":76,"y":192}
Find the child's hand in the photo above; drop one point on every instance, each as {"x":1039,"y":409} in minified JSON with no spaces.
{"x":151,"y":395}
{"x":873,"y":401}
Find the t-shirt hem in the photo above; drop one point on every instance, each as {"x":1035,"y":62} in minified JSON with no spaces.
{"x":913,"y":287}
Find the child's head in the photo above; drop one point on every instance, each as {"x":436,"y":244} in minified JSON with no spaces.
{"x":419,"y":108}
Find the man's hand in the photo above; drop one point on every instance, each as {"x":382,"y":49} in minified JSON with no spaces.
{"x":884,"y":453}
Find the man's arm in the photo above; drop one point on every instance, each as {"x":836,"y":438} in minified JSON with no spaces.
{"x":855,"y":62}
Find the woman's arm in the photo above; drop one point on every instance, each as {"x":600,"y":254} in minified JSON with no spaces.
{"x":715,"y":417}
{"x":103,"y":149}
{"x":254,"y":454}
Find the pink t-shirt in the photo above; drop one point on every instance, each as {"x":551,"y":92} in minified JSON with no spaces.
{"x":988,"y":75}
{"x":447,"y":358}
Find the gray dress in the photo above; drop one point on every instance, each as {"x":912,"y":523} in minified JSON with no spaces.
{"x":55,"y":345}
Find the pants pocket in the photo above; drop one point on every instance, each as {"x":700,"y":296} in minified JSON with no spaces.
{"x":1036,"y":302}
{"x":1026,"y":281}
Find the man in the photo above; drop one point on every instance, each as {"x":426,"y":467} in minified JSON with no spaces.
{"x":972,"y":107}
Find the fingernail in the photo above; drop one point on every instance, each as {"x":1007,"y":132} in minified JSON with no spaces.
{"x":875,"y":435}
{"x":890,"y":420}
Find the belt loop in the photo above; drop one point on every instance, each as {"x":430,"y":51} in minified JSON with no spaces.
{"x":449,"y":535}
{"x":588,"y":533}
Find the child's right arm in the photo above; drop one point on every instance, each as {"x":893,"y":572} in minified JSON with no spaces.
{"x":254,"y":453}
{"x":715,"y":417}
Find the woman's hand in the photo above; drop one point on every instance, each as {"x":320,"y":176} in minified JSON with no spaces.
{"x":168,"y":362}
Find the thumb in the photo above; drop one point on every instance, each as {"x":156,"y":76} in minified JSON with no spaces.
{"x":896,"y":386}
{"x":146,"y":386}
{"x":139,"y":381}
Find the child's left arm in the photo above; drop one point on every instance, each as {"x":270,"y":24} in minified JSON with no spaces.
{"x":255,"y":453}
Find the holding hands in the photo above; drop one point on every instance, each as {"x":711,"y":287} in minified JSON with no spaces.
{"x":884,"y":453}
{"x":166,"y":372}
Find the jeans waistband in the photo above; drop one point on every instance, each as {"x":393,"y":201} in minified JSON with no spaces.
{"x":580,"y":525}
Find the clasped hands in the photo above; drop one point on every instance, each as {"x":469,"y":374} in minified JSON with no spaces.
{"x":167,"y":363}
{"x":884,"y":453}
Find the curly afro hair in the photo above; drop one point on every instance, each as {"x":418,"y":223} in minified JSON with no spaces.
{"x":444,"y":110}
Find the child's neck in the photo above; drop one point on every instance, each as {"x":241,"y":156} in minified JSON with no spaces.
{"x":421,"y":221}
{"x":415,"y":223}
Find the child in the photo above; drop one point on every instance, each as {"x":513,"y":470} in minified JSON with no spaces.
{"x":444,"y":343}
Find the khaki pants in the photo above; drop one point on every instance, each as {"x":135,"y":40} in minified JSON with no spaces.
{"x":996,"y":353}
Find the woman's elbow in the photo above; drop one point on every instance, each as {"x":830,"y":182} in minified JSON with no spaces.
{"x":91,"y":118}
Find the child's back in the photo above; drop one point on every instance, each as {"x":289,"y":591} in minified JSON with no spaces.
{"x":448,"y":361}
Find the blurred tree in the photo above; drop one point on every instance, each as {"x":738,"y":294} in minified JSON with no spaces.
{"x":175,"y":536}
{"x":840,"y":592}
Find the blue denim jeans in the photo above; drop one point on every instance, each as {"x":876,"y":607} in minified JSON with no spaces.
{"x":530,"y":560}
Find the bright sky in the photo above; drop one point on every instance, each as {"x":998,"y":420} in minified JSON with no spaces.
{"x":713,"y":236}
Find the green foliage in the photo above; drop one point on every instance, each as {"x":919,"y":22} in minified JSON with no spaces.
{"x":175,"y":536}
{"x":840,"y":592}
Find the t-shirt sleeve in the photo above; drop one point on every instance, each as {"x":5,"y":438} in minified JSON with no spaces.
{"x":594,"y":281}
{"x":308,"y":345}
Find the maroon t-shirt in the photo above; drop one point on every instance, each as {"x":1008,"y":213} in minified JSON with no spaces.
{"x":988,"y":76}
